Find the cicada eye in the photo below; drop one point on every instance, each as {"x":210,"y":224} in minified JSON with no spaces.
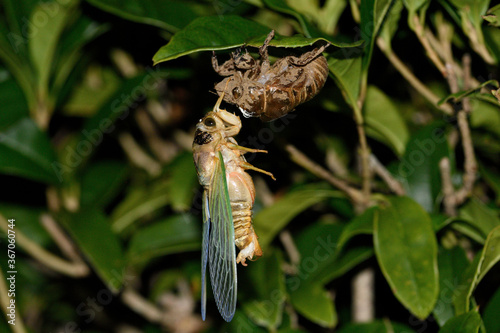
{"x":237,"y":93}
{"x":210,"y":122}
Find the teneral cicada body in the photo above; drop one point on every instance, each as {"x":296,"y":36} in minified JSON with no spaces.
{"x":228,"y":199}
{"x":270,"y":92}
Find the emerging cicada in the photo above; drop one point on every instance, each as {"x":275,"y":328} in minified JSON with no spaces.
{"x":228,"y":199}
{"x":270,"y":92}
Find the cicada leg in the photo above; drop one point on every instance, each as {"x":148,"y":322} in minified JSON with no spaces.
{"x":248,"y":166}
{"x":307,"y":57}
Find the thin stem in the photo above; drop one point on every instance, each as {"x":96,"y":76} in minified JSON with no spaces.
{"x":412,"y":79}
{"x":74,"y":269}
{"x":386,"y":176}
{"x":302,"y":160}
{"x":363,"y":296}
{"x":447,"y":186}
{"x":431,"y":53}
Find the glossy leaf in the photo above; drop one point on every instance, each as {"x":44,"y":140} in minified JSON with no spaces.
{"x":266,"y":305}
{"x":175,"y":234}
{"x":91,"y":231}
{"x":490,"y":313}
{"x":467,"y":323}
{"x":101,"y":182}
{"x":406,"y":250}
{"x":211,"y":33}
{"x":361,"y":224}
{"x":170,"y":15}
{"x":26,"y":152}
{"x":345,"y":68}
{"x":118,"y":106}
{"x":12,"y":99}
{"x":485,"y":116}
{"x":183,"y":182}
{"x":314,"y":302}
{"x":480,"y":216}
{"x":270,"y":220}
{"x":384,"y":121}
{"x":483,"y":262}
{"x":451,"y":264}
{"x":43,"y":43}
{"x":390,"y":27}
{"x":493,"y":16}
{"x":419,"y":167}
{"x":138,"y":203}
{"x":27,"y":221}
{"x":457,"y":97}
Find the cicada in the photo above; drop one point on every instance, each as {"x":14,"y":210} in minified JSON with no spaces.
{"x":228,"y":198}
{"x":270,"y":92}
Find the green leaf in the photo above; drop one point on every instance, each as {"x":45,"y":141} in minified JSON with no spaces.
{"x":465,"y":323}
{"x":320,"y":257}
{"x":485,"y":116}
{"x":43,"y":43}
{"x":315,"y":303}
{"x":12,"y":99}
{"x":118,"y":106}
{"x":26,"y":152}
{"x":183,"y":181}
{"x":406,"y":249}
{"x":27,"y":221}
{"x":414,"y":5}
{"x":383,"y":120}
{"x":266,"y":307}
{"x":490,"y":313}
{"x":270,"y":220}
{"x":483,"y":262}
{"x":345,"y":70}
{"x":166,"y":14}
{"x":91,"y":231}
{"x":101,"y":182}
{"x":211,"y":33}
{"x":480,"y":216}
{"x":138,"y":203}
{"x":361,"y":224}
{"x":390,"y":27}
{"x":418,"y":170}
{"x":493,"y":16}
{"x":179,"y":233}
{"x":373,"y":327}
{"x":458,"y":96}
{"x":373,"y":14}
{"x":452,"y":263}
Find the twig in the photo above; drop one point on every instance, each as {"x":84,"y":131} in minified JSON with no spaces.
{"x":386,"y":176}
{"x":142,"y":306}
{"x":137,"y":155}
{"x":290,"y":248}
{"x":470,"y":164}
{"x":74,"y":269}
{"x":431,"y":53}
{"x":412,"y":79}
{"x":302,"y":160}
{"x":447,"y":185}
{"x":366,"y":173}
{"x":363,"y":296}
{"x":5,"y":302}
{"x":62,"y":241}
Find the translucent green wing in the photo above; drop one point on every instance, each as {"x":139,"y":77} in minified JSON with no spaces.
{"x":204,"y":254}
{"x":221,"y":248}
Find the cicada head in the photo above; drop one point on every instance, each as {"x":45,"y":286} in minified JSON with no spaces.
{"x":248,"y":95}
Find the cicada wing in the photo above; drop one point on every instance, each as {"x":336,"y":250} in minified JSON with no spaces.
{"x":204,"y":254}
{"x":221,"y":248}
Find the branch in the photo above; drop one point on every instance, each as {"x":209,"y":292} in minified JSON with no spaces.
{"x":386,"y":176}
{"x":298,"y":157}
{"x":431,"y":53}
{"x":412,"y":79}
